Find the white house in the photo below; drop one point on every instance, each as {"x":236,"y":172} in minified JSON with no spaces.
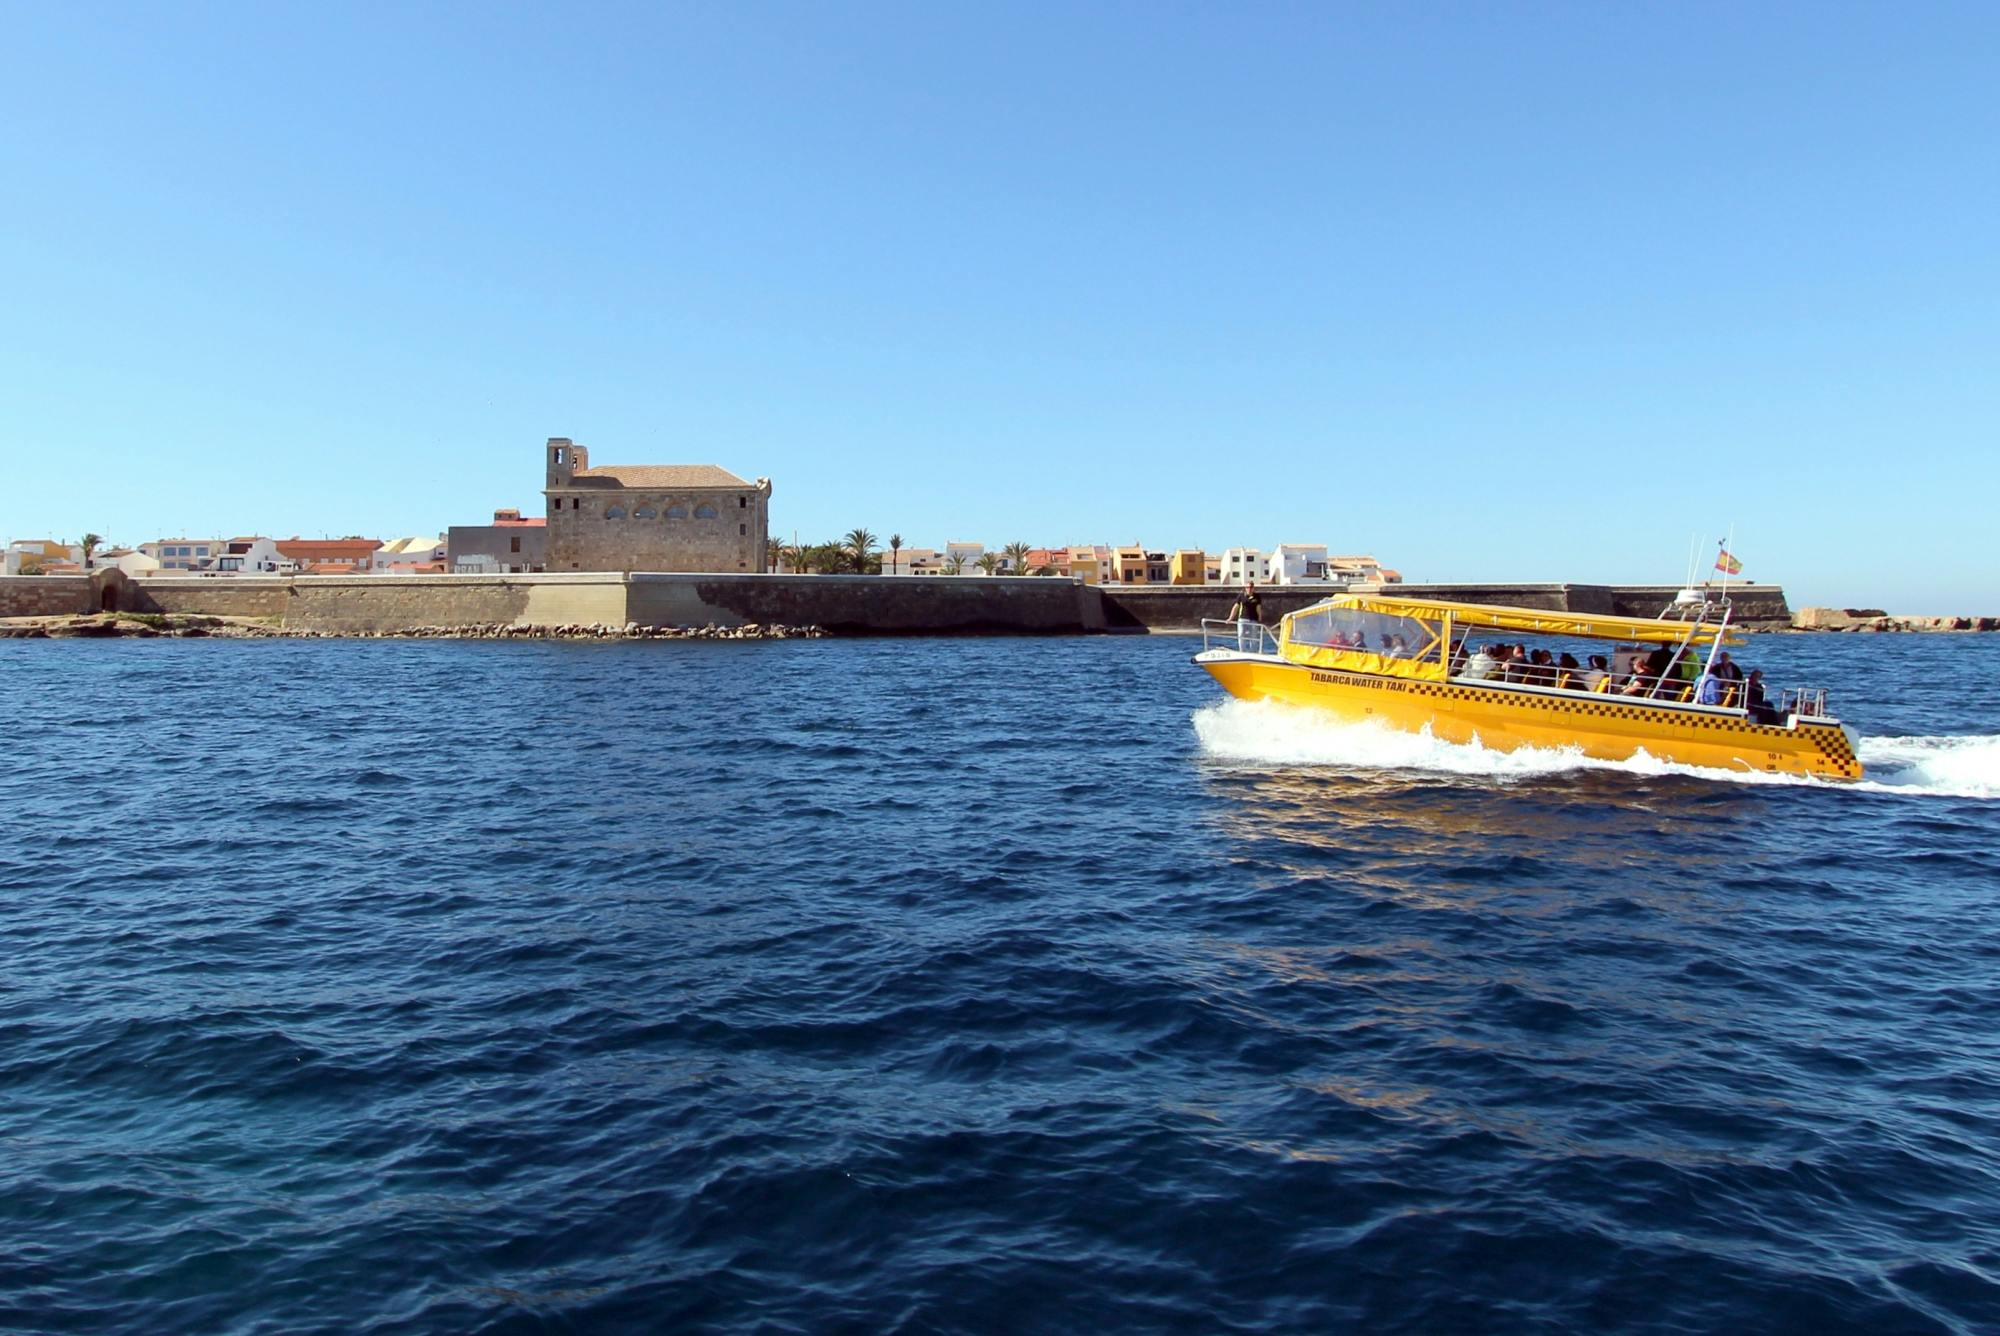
{"x":1240,"y":564}
{"x":912,"y":561}
{"x":1298,"y":563}
{"x":969,"y":553}
{"x":184,"y":554}
{"x":251,"y":556}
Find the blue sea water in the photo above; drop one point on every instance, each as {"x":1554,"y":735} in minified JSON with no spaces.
{"x":995,"y":985}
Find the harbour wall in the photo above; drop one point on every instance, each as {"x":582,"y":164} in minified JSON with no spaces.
{"x":1182,"y":607}
{"x":876,"y":605}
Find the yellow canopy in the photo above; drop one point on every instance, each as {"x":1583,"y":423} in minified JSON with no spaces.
{"x":1529,"y":621}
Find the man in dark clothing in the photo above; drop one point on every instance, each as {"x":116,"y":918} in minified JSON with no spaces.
{"x":1249,"y":608}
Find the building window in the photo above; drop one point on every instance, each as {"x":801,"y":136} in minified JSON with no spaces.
{"x":514,"y":544}
{"x":614,"y":512}
{"x":742,"y":503}
{"x":677,"y":512}
{"x":704,"y":512}
{"x":743,"y":529}
{"x":645,"y":513}
{"x":575,"y":503}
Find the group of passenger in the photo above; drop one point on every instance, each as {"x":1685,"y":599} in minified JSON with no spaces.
{"x":1667,"y":673}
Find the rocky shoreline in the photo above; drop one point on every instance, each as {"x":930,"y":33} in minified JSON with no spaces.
{"x":1876,"y":620}
{"x":144,"y":626}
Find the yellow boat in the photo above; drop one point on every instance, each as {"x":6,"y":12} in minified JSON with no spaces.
{"x":1406,"y":663}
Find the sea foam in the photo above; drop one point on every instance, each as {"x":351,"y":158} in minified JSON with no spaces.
{"x":1269,"y":733}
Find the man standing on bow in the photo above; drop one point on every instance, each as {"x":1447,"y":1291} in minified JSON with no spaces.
{"x":1249,"y":609}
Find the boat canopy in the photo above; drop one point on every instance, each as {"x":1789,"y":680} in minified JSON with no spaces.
{"x":1529,"y":621}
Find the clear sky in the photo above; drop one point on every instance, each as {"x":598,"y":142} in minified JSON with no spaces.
{"x":1508,"y":291}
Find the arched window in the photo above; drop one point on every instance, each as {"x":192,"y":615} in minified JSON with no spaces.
{"x":704,"y":512}
{"x":614,"y":512}
{"x":645,"y":513}
{"x":677,"y":512}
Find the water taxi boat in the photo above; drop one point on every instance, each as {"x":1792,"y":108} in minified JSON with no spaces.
{"x":1405,"y":663}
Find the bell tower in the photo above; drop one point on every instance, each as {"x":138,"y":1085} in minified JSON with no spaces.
{"x":566,"y":460}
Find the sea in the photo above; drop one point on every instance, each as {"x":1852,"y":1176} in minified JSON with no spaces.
{"x":940,"y":985}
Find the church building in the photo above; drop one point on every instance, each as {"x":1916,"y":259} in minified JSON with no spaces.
{"x":652,"y":517}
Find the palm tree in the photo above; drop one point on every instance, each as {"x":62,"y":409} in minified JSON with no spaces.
{"x":774,"y":554}
{"x":954,"y":565}
{"x":89,"y":545}
{"x":858,"y":542}
{"x":829,"y":558}
{"x":1017,"y":557}
{"x":988,"y":562}
{"x":895,"y":546}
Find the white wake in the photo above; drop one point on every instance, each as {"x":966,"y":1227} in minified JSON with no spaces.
{"x":1268,"y":733}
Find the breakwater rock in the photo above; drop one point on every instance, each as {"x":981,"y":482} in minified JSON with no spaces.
{"x":1874,"y":619}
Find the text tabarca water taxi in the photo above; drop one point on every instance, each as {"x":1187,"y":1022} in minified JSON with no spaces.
{"x":1406,"y":663}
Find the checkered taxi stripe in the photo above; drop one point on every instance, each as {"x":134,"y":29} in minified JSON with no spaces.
{"x":1829,"y":738}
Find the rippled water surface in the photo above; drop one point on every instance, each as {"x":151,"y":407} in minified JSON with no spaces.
{"x":997,"y":984}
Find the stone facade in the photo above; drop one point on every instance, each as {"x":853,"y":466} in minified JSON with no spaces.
{"x":678,"y":517}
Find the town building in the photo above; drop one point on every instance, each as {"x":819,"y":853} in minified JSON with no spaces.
{"x":411,"y":556}
{"x":965,"y":556}
{"x":330,"y":556}
{"x":1187,"y":566}
{"x":1241,"y":565}
{"x":655,"y":517}
{"x":183,"y":554}
{"x":1092,"y":563}
{"x":510,"y":545}
{"x":1352,"y":570}
{"x":127,"y":559}
{"x":913,"y":561}
{"x":1298,"y":563}
{"x":43,"y":554}
{"x":252,"y":556}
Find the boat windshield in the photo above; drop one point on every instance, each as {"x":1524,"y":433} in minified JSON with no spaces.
{"x":1371,"y":632}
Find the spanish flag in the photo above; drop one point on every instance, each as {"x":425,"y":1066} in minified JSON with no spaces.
{"x":1727,"y":564}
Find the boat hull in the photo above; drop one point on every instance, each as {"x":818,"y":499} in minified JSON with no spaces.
{"x":1606,"y":727}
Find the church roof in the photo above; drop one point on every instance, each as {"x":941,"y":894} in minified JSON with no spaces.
{"x":664,"y":475}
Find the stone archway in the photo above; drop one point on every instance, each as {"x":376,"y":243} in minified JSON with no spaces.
{"x":108,"y":589}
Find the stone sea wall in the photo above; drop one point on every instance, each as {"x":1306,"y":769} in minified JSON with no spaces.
{"x":46,"y":595}
{"x":841,"y":603}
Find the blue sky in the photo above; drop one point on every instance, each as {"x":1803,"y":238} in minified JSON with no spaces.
{"x":1508,"y":291}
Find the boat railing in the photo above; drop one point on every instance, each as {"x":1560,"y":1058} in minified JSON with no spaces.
{"x":1242,"y":636}
{"x":1807,"y":702}
{"x":1673,"y":689}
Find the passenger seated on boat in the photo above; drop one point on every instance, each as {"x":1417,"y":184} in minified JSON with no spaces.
{"x":1658,"y":664}
{"x":1754,"y":700}
{"x":1486,"y":663}
{"x":1708,"y":690}
{"x":1514,"y":663}
{"x":1569,"y":673}
{"x":1599,"y":676}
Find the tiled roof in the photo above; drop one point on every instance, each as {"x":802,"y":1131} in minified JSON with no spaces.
{"x":324,"y":549}
{"x":665,"y":475}
{"x":539,"y":522}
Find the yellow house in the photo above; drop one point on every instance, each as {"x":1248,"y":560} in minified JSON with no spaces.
{"x":1128,"y":565}
{"x":1188,"y":566}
